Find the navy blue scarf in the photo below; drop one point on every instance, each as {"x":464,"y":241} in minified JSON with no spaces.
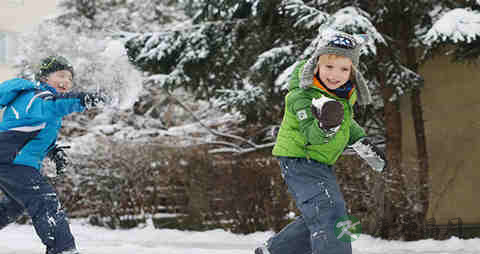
{"x":341,"y":92}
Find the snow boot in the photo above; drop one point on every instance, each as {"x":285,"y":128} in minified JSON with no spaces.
{"x":262,"y":250}
{"x":74,"y":251}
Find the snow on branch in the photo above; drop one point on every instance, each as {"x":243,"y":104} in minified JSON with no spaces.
{"x":275,"y":55}
{"x":401,"y":78}
{"x":457,"y":25}
{"x":351,"y":20}
{"x":308,"y":16}
{"x":277,"y":61}
{"x":356,"y":21}
{"x":239,"y":97}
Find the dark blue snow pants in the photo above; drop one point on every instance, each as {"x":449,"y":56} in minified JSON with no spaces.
{"x":319,"y":199}
{"x":26,"y":189}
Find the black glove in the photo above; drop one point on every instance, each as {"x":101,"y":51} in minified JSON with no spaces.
{"x":370,"y":153}
{"x":90,"y":100}
{"x":58,"y":155}
{"x":328,"y":112}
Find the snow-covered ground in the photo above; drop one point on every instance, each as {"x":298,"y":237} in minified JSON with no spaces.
{"x":21,"y":239}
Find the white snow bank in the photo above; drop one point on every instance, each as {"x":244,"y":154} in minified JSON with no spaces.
{"x":21,"y":239}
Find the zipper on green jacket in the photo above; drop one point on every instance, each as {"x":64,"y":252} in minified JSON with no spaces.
{"x":306,"y":151}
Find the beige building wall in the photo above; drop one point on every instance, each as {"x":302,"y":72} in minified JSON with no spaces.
{"x":451,"y":105}
{"x":6,"y":72}
{"x":18,"y":16}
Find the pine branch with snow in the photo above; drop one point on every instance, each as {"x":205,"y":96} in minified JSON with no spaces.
{"x":273,"y":63}
{"x":190,"y":57}
{"x":455,"y":26}
{"x":401,"y":78}
{"x":114,"y":16}
{"x":306,"y":16}
{"x":224,"y":10}
{"x":459,"y":27}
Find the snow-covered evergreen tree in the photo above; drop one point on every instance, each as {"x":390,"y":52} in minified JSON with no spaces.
{"x":212,"y":56}
{"x":234,"y":46}
{"x":459,"y":27}
{"x":119,"y":15}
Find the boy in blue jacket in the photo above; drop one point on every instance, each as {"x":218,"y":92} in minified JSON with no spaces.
{"x":30,"y":118}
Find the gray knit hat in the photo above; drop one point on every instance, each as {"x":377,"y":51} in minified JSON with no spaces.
{"x":342,"y":44}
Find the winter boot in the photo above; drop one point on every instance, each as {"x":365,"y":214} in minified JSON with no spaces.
{"x":74,"y":251}
{"x":262,"y":250}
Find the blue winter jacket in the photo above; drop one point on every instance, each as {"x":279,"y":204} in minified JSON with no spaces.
{"x":30,"y":117}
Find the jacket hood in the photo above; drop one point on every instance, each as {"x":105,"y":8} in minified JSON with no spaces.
{"x":295,"y":78}
{"x":11,"y":88}
{"x":342,"y":44}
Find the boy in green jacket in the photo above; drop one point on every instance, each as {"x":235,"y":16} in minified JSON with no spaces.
{"x":317,"y":126}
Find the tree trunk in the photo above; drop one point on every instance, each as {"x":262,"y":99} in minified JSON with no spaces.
{"x":393,"y":128}
{"x":422,"y":155}
{"x":421,"y":143}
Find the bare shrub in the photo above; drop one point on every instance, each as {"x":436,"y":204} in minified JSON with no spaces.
{"x":364,"y":190}
{"x":124,"y":185}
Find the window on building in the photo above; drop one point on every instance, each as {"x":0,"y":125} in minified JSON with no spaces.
{"x":3,"y":48}
{"x":15,"y":3}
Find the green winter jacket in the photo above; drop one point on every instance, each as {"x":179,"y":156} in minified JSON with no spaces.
{"x":299,"y":134}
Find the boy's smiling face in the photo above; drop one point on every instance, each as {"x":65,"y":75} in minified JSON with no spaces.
{"x":334,"y":71}
{"x":62,"y":80}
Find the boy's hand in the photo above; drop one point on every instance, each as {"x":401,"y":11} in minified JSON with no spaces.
{"x":371,"y":154}
{"x":328,"y":112}
{"x":90,"y":100}
{"x":58,"y":155}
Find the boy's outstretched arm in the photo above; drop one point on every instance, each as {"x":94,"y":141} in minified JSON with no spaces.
{"x":65,"y":103}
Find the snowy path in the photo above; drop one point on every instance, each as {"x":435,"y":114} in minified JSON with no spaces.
{"x":17,"y":239}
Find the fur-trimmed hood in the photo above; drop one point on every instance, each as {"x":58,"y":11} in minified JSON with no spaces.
{"x":342,"y":44}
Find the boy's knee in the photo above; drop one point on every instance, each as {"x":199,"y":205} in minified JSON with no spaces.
{"x":45,"y":204}
{"x":323,"y":209}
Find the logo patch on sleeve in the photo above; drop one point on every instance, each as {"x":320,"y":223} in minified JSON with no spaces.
{"x":302,"y":115}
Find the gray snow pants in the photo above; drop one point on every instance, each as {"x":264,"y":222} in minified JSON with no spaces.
{"x":319,"y":199}
{"x":26,"y":189}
